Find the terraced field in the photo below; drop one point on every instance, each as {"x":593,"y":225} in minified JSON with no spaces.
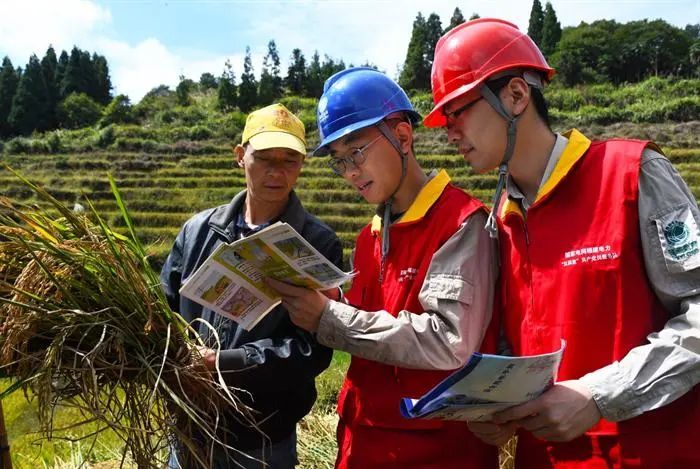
{"x":163,"y":190}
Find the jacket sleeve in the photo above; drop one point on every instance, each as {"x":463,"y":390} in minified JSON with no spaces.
{"x":668,"y":365}
{"x":457,"y":297}
{"x":287,"y":361}
{"x":290,"y":358}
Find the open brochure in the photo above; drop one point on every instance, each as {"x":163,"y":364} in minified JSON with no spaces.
{"x":485,"y":385}
{"x":230,"y":281}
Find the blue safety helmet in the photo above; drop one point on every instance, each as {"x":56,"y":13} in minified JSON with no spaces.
{"x":356,"y":98}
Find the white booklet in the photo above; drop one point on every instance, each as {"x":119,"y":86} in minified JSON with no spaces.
{"x":230,"y":281}
{"x":485,"y":385}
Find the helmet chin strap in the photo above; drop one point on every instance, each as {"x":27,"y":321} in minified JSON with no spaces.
{"x":496,"y":103}
{"x":386,"y":219}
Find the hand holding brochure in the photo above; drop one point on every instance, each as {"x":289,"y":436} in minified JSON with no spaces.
{"x":485,"y":385}
{"x":230,"y":281}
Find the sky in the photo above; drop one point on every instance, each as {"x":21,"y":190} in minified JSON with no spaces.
{"x":153,"y":42}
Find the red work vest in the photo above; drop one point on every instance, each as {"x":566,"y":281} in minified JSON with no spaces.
{"x":372,"y":391}
{"x":574,"y":270}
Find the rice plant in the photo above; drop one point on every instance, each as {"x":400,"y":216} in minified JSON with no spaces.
{"x":84,"y":323}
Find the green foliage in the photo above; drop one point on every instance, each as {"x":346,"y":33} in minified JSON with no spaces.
{"x":8,"y":87}
{"x":270,"y":80}
{"x":106,"y":137}
{"x":296,"y":73}
{"x":207,"y":81}
{"x":551,"y":30}
{"x":118,"y":111}
{"x":78,"y":110}
{"x":456,"y":20}
{"x":536,"y":24}
{"x":227,"y":94}
{"x":414,"y":74}
{"x":183,"y":89}
{"x":30,"y":104}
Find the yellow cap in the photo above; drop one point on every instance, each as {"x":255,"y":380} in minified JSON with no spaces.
{"x":274,"y":127}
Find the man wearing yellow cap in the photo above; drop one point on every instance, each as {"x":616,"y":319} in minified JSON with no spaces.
{"x":275,"y":362}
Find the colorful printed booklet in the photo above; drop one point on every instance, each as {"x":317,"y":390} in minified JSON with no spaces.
{"x":230,"y":281}
{"x":485,"y":385}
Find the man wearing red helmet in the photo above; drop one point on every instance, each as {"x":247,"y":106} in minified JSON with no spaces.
{"x":422,"y":297}
{"x":599,"y":247}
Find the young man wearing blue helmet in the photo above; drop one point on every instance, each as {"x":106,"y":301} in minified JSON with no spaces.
{"x":422,"y":298}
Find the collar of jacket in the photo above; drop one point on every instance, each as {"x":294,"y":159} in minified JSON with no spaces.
{"x":575,"y":149}
{"x":223,"y":219}
{"x":428,"y":195}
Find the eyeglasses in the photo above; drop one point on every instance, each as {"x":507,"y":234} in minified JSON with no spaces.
{"x":455,"y":114}
{"x":355,"y":158}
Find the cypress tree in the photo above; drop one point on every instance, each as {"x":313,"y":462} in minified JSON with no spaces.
{"x":534,"y":29}
{"x":413,"y":73}
{"x":49,"y":66}
{"x":227,"y":93}
{"x":31,"y":102}
{"x":8,"y":87}
{"x":551,"y":30}
{"x":456,"y":20}
{"x":433,"y":31}
{"x":296,"y":73}
{"x":248,"y":90}
{"x":102,"y":81}
{"x":270,"y":80}
{"x":314,"y":77}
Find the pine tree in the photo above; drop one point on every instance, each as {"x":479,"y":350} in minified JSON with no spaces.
{"x":61,"y":71}
{"x":74,"y":76}
{"x":475,"y":16}
{"x":314,"y":77}
{"x":433,"y":32}
{"x":551,"y":31}
{"x":8,"y":87}
{"x":534,"y":29}
{"x":296,"y":73}
{"x":270,"y":80}
{"x":102,"y":82}
{"x":49,"y":65}
{"x":248,"y":90}
{"x":456,"y":20}
{"x":413,"y":75}
{"x":227,"y":93}
{"x":31,"y":102}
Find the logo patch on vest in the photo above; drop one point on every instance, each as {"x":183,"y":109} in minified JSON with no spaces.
{"x":679,"y":238}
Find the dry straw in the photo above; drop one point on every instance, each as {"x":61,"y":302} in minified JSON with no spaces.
{"x":84,"y":323}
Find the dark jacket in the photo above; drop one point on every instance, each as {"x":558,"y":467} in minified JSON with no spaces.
{"x":276,"y":362}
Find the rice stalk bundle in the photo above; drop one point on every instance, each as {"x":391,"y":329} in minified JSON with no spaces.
{"x":84,"y":323}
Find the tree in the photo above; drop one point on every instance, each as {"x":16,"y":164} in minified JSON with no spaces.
{"x":456,"y":20}
{"x":248,"y":90}
{"x":184,"y":87}
{"x":314,"y":77}
{"x":8,"y":87}
{"x":79,"y":110}
{"x":61,"y":70}
{"x":330,"y":67}
{"x":227,"y":93}
{"x":414,"y":76}
{"x":433,"y":32}
{"x":536,"y":24}
{"x":207,"y":81}
{"x":475,"y":16}
{"x":587,"y":53}
{"x":74,"y":76}
{"x":30,"y":104}
{"x":551,"y":31}
{"x":296,"y":73}
{"x":49,"y":66}
{"x":270,"y":79}
{"x":102,"y":88}
{"x":118,"y":111}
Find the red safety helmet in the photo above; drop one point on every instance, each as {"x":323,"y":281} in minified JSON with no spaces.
{"x":472,"y":52}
